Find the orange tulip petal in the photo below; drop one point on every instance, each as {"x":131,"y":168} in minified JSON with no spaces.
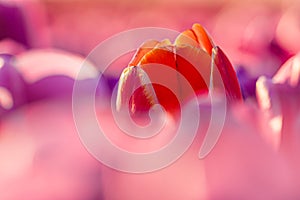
{"x":158,"y":58}
{"x":186,"y":38}
{"x":202,"y":38}
{"x":194,"y":64}
{"x":144,"y":49}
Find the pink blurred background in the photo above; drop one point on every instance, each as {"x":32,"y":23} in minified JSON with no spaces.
{"x":45,"y":43}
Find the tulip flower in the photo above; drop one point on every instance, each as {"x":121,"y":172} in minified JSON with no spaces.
{"x":56,"y":77}
{"x":193,"y":55}
{"x":279,"y":98}
{"x":23,"y":80}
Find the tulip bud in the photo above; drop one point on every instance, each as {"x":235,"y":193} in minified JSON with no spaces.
{"x":193,"y":58}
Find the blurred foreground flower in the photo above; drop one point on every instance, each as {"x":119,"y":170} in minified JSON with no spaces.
{"x":193,"y":57}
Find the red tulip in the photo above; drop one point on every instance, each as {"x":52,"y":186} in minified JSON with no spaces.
{"x":193,"y":58}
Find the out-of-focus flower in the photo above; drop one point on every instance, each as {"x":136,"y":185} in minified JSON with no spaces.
{"x":279,"y":98}
{"x":250,"y":36}
{"x":40,"y":74}
{"x":192,"y":55}
{"x":289,"y":72}
{"x":51,"y":73}
{"x":12,"y":85}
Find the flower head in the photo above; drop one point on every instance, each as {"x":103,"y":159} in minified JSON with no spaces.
{"x":193,"y":61}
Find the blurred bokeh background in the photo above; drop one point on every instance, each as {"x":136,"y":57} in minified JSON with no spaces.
{"x":42,"y":46}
